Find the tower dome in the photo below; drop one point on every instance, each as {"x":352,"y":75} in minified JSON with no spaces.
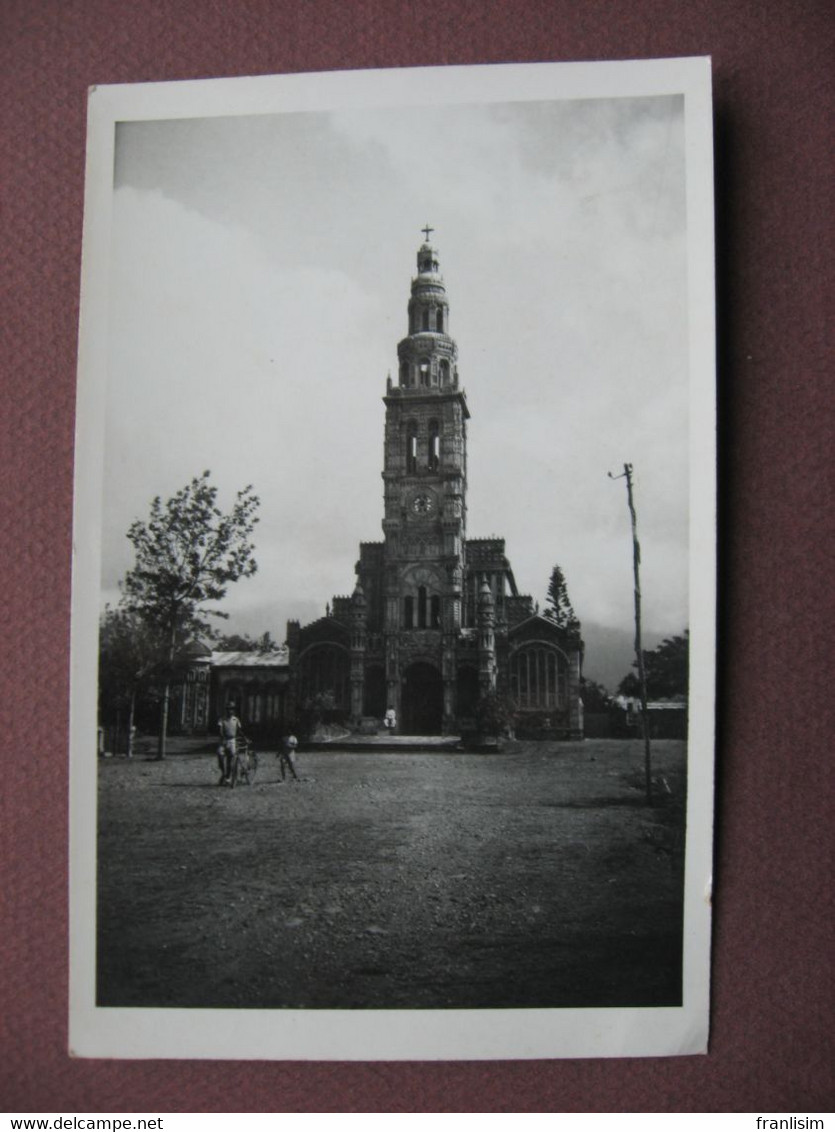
{"x":427,"y":356}
{"x":427,"y":259}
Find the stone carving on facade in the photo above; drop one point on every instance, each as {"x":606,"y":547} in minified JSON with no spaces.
{"x":421,"y":575}
{"x":420,"y":548}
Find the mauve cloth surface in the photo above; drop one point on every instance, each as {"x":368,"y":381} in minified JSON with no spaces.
{"x":771,"y":1044}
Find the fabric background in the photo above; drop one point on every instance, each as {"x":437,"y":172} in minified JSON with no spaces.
{"x":771,"y":1046}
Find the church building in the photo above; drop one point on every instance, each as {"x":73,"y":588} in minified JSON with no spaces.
{"x":435,"y":620}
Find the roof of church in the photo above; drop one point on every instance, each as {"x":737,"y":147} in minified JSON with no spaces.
{"x":546,"y":624}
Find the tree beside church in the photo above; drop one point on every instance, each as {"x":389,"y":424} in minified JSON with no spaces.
{"x":667,"y":669}
{"x":558,"y":607}
{"x":186,"y":555}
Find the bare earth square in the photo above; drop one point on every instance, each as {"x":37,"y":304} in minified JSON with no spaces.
{"x":534,"y":877}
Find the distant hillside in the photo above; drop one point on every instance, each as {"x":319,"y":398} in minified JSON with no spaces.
{"x":610,"y":652}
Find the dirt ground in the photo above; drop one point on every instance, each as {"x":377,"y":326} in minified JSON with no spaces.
{"x":533,"y":877}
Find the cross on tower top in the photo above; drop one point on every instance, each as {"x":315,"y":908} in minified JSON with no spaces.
{"x":427,"y":232}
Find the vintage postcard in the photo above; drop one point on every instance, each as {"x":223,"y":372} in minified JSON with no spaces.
{"x":394,"y":566}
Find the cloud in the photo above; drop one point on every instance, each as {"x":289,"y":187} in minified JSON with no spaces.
{"x":260,"y":279}
{"x":220,"y":359}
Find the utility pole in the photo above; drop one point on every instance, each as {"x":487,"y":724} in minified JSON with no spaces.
{"x":639,"y":652}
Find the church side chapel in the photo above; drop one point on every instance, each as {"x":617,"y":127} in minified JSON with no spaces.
{"x":435,"y":623}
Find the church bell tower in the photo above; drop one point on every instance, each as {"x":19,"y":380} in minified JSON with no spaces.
{"x":435,"y":623}
{"x":424,"y":526}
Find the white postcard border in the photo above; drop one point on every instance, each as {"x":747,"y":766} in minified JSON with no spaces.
{"x":391,"y":1035}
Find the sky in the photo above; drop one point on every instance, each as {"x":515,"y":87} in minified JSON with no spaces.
{"x":259,"y":282}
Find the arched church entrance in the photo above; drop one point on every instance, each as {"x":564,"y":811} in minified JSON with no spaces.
{"x":422,"y":700}
{"x":374,"y":703}
{"x":467,"y":691}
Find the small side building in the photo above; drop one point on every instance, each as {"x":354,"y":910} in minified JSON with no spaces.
{"x":256,"y":683}
{"x":667,"y":718}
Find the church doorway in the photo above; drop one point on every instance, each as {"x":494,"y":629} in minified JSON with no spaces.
{"x":467,"y":691}
{"x":422,"y":700}
{"x":375,"y":692}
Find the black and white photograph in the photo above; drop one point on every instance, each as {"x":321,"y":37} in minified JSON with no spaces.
{"x":394,"y":566}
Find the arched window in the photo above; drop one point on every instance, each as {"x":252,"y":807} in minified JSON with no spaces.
{"x":409,"y":612}
{"x":435,"y":612}
{"x":539,"y":678}
{"x":404,"y":373}
{"x":422,"y":607}
{"x":425,"y":320}
{"x":444,"y":368}
{"x":411,"y":446}
{"x":439,"y":320}
{"x":425,"y":369}
{"x":324,"y":671}
{"x":433,"y":456}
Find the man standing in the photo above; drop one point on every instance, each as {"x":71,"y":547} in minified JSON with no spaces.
{"x":230,"y":727}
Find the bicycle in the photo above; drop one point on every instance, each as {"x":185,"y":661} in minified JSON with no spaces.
{"x":244,"y":764}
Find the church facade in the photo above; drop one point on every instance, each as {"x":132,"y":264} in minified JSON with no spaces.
{"x":435,"y":621}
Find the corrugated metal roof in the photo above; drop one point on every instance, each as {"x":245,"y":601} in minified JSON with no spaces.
{"x":276,"y":659}
{"x":632,"y":703}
